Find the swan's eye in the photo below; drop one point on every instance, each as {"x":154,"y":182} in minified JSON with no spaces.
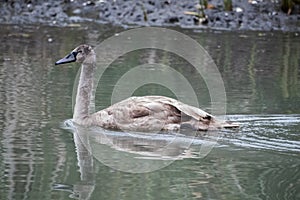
{"x":79,"y":51}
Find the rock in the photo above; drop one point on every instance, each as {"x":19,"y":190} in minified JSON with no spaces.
{"x":252,"y":15}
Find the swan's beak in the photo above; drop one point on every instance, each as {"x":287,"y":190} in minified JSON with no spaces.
{"x":68,"y":59}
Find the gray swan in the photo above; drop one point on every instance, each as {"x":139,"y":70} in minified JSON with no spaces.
{"x":144,"y":114}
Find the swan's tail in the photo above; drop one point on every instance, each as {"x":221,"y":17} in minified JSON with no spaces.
{"x":208,"y":124}
{"x":228,"y":124}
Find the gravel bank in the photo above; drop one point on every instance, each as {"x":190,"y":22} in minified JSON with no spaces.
{"x":263,"y":15}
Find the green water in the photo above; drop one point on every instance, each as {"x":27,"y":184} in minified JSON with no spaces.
{"x":43,"y":157}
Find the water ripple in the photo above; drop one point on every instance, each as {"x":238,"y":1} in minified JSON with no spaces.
{"x":269,"y":132}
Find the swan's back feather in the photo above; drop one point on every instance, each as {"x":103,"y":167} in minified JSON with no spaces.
{"x":154,"y":113}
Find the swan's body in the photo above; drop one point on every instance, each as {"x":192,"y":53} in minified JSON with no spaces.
{"x":148,"y":113}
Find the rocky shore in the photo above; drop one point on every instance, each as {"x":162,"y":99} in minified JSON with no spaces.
{"x":262,"y":15}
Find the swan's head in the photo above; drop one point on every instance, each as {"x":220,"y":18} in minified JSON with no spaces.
{"x":81,"y":54}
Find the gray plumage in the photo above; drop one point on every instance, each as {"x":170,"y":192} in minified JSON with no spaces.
{"x":147,"y":113}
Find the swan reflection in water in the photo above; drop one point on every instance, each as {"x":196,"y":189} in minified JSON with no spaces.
{"x":138,"y":152}
{"x":132,"y":152}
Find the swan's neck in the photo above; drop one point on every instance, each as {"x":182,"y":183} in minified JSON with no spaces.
{"x":84,"y":93}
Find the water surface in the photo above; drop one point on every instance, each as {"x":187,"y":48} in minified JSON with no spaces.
{"x":41,"y":158}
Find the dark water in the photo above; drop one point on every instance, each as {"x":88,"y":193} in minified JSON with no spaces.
{"x":41,"y":158}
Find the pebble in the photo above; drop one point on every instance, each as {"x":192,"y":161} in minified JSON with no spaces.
{"x":76,"y":11}
{"x":238,"y":9}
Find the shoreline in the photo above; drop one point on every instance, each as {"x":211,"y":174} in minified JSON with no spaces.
{"x":253,"y":15}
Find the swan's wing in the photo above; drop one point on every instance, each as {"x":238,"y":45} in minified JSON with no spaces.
{"x":191,"y":111}
{"x":152,"y":113}
{"x":189,"y":116}
{"x":137,"y":113}
{"x":199,"y":119}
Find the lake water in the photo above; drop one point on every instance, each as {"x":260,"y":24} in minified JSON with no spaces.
{"x":44,"y":156}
